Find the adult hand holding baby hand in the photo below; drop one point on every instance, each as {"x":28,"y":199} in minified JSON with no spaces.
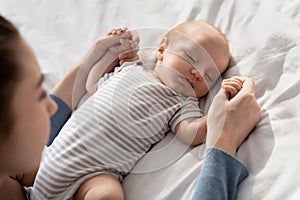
{"x":102,"y":58}
{"x":127,"y":49}
{"x":113,"y":43}
{"x":233,"y":114}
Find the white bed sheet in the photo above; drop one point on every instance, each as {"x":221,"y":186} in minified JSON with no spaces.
{"x":264,"y":39}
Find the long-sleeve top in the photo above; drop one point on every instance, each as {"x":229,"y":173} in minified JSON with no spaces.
{"x":220,"y":176}
{"x":59,"y":118}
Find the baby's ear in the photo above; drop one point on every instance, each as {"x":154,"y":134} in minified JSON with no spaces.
{"x":163,"y":44}
{"x":161,"y":49}
{"x":159,"y":53}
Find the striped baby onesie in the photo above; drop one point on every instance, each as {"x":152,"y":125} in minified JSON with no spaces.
{"x":111,"y":131}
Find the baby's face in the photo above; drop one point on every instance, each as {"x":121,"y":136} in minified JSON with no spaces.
{"x":187,"y":67}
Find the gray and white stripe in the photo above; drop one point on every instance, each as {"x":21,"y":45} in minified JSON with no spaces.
{"x":111,"y":131}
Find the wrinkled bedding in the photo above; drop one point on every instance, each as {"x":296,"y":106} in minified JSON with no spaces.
{"x":264,"y":38}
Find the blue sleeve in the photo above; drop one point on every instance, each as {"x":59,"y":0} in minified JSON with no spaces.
{"x":220,"y":176}
{"x":58,"y":120}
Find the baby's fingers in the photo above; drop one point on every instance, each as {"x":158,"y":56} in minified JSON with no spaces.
{"x":126,"y":42}
{"x":134,"y":44}
{"x":230,"y":91}
{"x":128,"y":54}
{"x":233,"y":83}
{"x":136,"y":57}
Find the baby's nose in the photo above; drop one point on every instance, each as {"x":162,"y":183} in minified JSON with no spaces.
{"x":196,"y":74}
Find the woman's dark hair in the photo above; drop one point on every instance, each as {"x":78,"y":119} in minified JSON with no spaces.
{"x":9,"y":72}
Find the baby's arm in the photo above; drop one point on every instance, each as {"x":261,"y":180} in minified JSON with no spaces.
{"x":132,"y":43}
{"x":192,"y":131}
{"x":123,"y":51}
{"x":87,"y":62}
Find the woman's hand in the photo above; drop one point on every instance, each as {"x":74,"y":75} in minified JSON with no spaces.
{"x":128,"y":48}
{"x":232,"y":117}
{"x":112,"y":49}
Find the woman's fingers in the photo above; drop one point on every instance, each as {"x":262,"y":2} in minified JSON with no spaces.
{"x":117,"y":31}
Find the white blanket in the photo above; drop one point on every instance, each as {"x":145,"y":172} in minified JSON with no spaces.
{"x":264,"y":39}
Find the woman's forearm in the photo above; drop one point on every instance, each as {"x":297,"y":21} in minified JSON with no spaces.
{"x":64,"y":89}
{"x":220,"y":176}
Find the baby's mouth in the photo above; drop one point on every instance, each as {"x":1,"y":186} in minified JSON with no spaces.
{"x":186,"y":81}
{"x":190,"y":82}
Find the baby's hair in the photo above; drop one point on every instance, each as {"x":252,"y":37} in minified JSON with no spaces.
{"x":9,"y":73}
{"x":180,"y":29}
{"x":224,"y":38}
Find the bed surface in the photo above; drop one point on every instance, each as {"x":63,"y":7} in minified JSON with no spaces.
{"x":264,"y":38}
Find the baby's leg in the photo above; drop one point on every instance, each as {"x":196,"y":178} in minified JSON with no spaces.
{"x":100,"y":187}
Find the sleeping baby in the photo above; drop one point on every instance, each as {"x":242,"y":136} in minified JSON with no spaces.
{"x":131,"y":109}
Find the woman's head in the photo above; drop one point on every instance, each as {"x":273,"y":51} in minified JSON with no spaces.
{"x":9,"y":72}
{"x":25,"y":108}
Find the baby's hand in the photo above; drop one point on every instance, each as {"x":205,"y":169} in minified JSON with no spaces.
{"x":128,"y":47}
{"x":232,"y":86}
